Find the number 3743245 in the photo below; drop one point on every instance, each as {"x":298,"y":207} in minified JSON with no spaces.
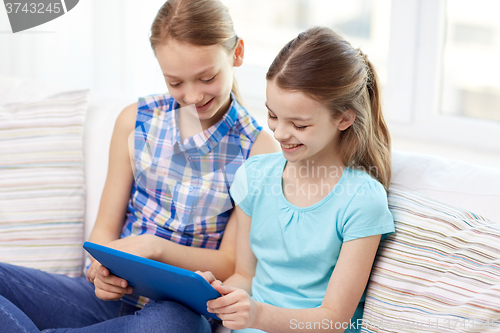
{"x":33,"y":7}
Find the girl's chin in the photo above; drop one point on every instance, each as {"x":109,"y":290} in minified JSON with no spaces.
{"x":207,"y":107}
{"x":207,"y":115}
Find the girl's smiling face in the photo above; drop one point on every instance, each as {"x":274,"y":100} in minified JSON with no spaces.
{"x":200,"y":76}
{"x":304,"y":128}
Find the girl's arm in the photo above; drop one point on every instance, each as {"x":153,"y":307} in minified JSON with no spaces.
{"x":113,"y":205}
{"x":346,"y":286}
{"x":265,"y":143}
{"x":119,"y":180}
{"x":245,"y":259}
{"x":220,"y":262}
{"x":237,"y":287}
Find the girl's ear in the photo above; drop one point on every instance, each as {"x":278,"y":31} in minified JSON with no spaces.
{"x":346,"y":120}
{"x":239,"y":53}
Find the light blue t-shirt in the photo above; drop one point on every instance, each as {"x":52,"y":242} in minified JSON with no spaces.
{"x":297,"y":247}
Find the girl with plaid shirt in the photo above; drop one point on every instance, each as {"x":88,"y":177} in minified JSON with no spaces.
{"x":172,"y":160}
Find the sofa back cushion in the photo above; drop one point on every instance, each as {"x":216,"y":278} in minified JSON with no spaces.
{"x":42,"y":182}
{"x":440,"y":271}
{"x":99,"y":123}
{"x":453,"y":182}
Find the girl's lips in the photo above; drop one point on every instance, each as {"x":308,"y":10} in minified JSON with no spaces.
{"x":205,"y":106}
{"x":290,"y":148}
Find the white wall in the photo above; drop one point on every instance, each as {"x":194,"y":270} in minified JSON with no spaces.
{"x":99,"y":44}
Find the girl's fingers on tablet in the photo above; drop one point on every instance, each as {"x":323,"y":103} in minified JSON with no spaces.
{"x":238,"y":315}
{"x":230,"y":309}
{"x":103,"y":271}
{"x":111,"y":283}
{"x":111,"y":279}
{"x":92,"y":271}
{"x":207,"y":276}
{"x":108,"y":292}
{"x":90,"y":275}
{"x":216,"y":283}
{"x":107,"y":296}
{"x":223,"y":289}
{"x":224,"y":301}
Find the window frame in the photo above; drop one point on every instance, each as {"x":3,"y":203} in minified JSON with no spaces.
{"x":414,"y":81}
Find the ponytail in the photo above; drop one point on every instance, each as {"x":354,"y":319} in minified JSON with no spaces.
{"x":373,"y":153}
{"x":236,"y":92}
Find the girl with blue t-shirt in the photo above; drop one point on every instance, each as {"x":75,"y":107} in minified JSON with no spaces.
{"x":172,"y":160}
{"x":310,"y":218}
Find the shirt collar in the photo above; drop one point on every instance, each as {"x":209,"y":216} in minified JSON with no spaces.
{"x":210,"y":138}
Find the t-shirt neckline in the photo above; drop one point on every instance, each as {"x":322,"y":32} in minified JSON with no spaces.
{"x":315,"y":205}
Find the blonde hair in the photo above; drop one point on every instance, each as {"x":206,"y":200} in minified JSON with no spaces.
{"x":323,"y":65}
{"x":197,"y":22}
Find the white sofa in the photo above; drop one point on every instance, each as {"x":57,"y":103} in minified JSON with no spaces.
{"x":99,"y":124}
{"x":455,"y":183}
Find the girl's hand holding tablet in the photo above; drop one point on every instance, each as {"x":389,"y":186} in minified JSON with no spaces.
{"x":235,"y":308}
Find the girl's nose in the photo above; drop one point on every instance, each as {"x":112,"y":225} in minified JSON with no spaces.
{"x":193,"y":96}
{"x":281,"y":133}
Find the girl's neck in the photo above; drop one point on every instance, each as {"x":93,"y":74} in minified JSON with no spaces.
{"x":320,"y":161}
{"x":189,"y":124}
{"x":312,"y":172}
{"x":307,"y":182}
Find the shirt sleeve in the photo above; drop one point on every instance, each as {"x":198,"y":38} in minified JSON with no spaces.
{"x":240,"y":188}
{"x":368,"y":213}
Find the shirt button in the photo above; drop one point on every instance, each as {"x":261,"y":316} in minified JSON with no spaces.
{"x":190,"y":188}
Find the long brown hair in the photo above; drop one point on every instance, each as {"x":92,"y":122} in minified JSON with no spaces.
{"x":323,"y":65}
{"x":197,"y":22}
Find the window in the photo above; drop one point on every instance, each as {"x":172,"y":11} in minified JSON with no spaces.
{"x":426,"y":86}
{"x":471,"y":60}
{"x":266,"y":26}
{"x":437,"y":60}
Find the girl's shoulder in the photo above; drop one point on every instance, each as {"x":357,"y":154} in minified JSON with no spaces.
{"x":359,"y":186}
{"x":365,"y":211}
{"x":263,"y":166}
{"x":244,"y":123}
{"x":125,"y":122}
{"x":151,"y":106}
{"x":265,"y":160}
{"x":361,"y":176}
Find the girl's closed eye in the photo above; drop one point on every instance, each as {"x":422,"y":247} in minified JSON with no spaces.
{"x":300,"y":128}
{"x":271,"y":116}
{"x":174,"y":85}
{"x":209,"y":80}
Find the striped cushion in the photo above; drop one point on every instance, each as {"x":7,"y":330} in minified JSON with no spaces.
{"x":42,"y":183}
{"x":440,"y":271}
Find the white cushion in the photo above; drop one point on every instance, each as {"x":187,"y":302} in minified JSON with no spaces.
{"x":42,"y":182}
{"x":20,"y":90}
{"x":456,"y":183}
{"x":440,"y":268}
